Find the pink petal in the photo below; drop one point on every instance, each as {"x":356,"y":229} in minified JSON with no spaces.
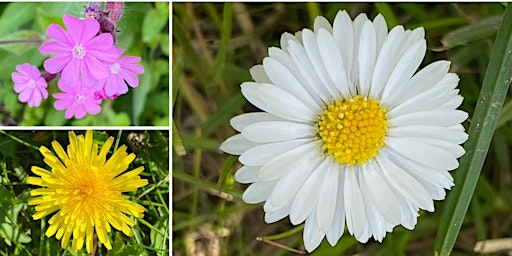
{"x":70,"y":111}
{"x":55,"y":64}
{"x":24,"y":69}
{"x":91,"y":28}
{"x":41,"y":83}
{"x":55,"y":48}
{"x":80,"y":111}
{"x":135,"y":68}
{"x":35,"y":99}
{"x":87,"y":79}
{"x":61,"y":104}
{"x":25,"y":95}
{"x":74,"y":28}
{"x":58,"y":33}
{"x":19,"y":87}
{"x":103,"y":42}
{"x":18,"y":78}
{"x":122,"y":85}
{"x":130,"y":77}
{"x":111,"y":86}
{"x":128,"y":60}
{"x":97,"y":69}
{"x":70,"y":74}
{"x":92,"y":107}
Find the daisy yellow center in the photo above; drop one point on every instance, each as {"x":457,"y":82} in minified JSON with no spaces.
{"x":352,"y":130}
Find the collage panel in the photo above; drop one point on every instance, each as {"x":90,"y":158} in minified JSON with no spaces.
{"x":84,"y":64}
{"x":84,"y":192}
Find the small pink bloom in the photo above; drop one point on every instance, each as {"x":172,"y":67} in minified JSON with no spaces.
{"x":29,"y":84}
{"x":77,"y":100}
{"x":121,"y":70}
{"x":79,"y":51}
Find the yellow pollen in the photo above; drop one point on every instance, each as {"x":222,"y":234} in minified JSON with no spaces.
{"x":352,"y":131}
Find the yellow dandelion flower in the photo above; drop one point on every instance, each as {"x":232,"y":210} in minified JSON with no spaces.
{"x":84,"y":189}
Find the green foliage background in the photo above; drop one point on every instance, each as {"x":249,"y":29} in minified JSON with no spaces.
{"x":21,"y":235}
{"x":214,"y":45}
{"x":144,"y":32}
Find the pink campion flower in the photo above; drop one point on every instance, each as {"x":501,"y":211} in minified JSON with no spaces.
{"x":77,"y":100}
{"x":80,"y":51}
{"x":29,"y":84}
{"x":122,"y":71}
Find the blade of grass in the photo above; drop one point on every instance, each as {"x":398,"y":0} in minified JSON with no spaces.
{"x":494,"y":89}
{"x":203,"y":184}
{"x":387,"y":12}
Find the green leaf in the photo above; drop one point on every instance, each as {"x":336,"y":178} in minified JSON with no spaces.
{"x":472,"y":32}
{"x":483,"y":124}
{"x":15,"y":16}
{"x":154,"y":21}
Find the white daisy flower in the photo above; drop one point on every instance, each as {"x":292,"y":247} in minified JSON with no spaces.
{"x":349,"y":134}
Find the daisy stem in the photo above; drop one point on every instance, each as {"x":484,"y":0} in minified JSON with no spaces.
{"x":492,"y":95}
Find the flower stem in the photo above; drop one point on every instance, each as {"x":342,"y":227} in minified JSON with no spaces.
{"x":21,"y":41}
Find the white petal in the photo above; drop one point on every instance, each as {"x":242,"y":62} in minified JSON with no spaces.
{"x":285,"y":38}
{"x":404,"y":69}
{"x":429,"y":131}
{"x":453,"y":103}
{"x":284,"y":79}
{"x":343,"y":34}
{"x":276,"y":101}
{"x":312,"y":234}
{"x":285,"y":59}
{"x":333,"y":62}
{"x":422,"y":81}
{"x":380,"y":192}
{"x":387,"y":59}
{"x":381,"y":30}
{"x":275,"y":131}
{"x":277,"y":213}
{"x":241,"y":121}
{"x":367,"y":55}
{"x":303,"y":63}
{"x":262,"y":154}
{"x":287,"y":187}
{"x":308,"y":195}
{"x":354,"y":207}
{"x":321,"y":23}
{"x":326,"y":207}
{"x":247,"y":174}
{"x":376,"y":223}
{"x":258,"y":192}
{"x":290,"y":162}
{"x":454,"y":149}
{"x":237,"y":145}
{"x":423,"y":153}
{"x":338,"y":223}
{"x":357,"y":25}
{"x":409,"y":187}
{"x":441,"y":93}
{"x":430,"y":175}
{"x":431,"y":117}
{"x":258,"y":74}
{"x":310,"y":45}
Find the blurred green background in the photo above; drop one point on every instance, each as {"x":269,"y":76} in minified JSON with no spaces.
{"x":21,"y":235}
{"x":215,"y":44}
{"x":144,"y":32}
